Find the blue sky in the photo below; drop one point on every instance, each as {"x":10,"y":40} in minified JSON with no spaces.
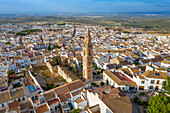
{"x":83,"y":6}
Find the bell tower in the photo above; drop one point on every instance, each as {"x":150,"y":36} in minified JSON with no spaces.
{"x":88,"y":57}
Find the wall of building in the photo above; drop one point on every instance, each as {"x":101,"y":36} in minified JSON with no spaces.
{"x":50,"y":67}
{"x":104,"y":108}
{"x":64,"y":74}
{"x":92,"y":99}
{"x":35,"y":81}
{"x":81,"y":104}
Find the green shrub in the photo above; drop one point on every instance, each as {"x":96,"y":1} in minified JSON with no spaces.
{"x":139,"y":102}
{"x":63,"y":80}
{"x":142,"y":93}
{"x":94,"y":73}
{"x":99,"y":68}
{"x":102,"y":70}
{"x":93,"y":84}
{"x":102,"y":83}
{"x":8,"y":43}
{"x":11,"y":72}
{"x":98,"y":72}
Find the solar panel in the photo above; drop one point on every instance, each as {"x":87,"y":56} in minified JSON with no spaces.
{"x":33,"y":98}
{"x":36,"y":97}
{"x":157,"y":74}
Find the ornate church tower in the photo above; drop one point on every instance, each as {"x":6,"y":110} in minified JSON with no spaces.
{"x":88,"y":57}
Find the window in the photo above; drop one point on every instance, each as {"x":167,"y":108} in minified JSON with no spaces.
{"x":55,"y":107}
{"x":157,"y":81}
{"x":23,"y":98}
{"x":152,"y":81}
{"x":142,"y":82}
{"x":89,"y":53}
{"x":3,"y":105}
{"x":151,"y":87}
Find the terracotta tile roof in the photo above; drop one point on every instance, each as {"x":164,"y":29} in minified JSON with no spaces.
{"x":120,"y":80}
{"x":155,"y":74}
{"x":14,"y":110}
{"x":25,"y":105}
{"x":49,"y":95}
{"x":75,"y":85}
{"x":111,"y":66}
{"x":119,"y":105}
{"x":17,"y":92}
{"x":167,"y":57}
{"x":134,"y":70}
{"x":145,"y":61}
{"x":165,"y":62}
{"x":141,"y":77}
{"x":64,"y":97}
{"x":127,"y":71}
{"x":76,"y":92}
{"x":62,"y":90}
{"x":79,"y":100}
{"x":53,"y":101}
{"x":13,"y":104}
{"x":42,"y":109}
{"x":79,"y":58}
{"x":101,"y":50}
{"x":154,"y":60}
{"x":159,"y":57}
{"x":101,"y":89}
{"x":5,"y":97}
{"x":122,"y":61}
{"x":143,"y":68}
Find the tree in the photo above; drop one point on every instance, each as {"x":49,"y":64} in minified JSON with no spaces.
{"x":56,"y":46}
{"x":8,"y":43}
{"x":27,"y":68}
{"x":76,"y":71}
{"x":98,"y":72}
{"x":81,"y":66}
{"x":99,"y":68}
{"x":50,"y":86}
{"x":55,"y":61}
{"x":166,"y":84}
{"x":102,"y":83}
{"x":94,"y":73}
{"x":102,"y":70}
{"x":95,"y":66}
{"x":11,"y":72}
{"x":49,"y":47}
{"x":93,"y":84}
{"x":136,"y":62}
{"x":159,"y":104}
{"x":75,"y":110}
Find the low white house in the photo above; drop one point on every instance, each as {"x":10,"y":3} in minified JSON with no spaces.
{"x":151,"y":80}
{"x":119,"y":79}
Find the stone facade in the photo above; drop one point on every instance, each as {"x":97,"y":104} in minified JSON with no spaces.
{"x":88,"y":57}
